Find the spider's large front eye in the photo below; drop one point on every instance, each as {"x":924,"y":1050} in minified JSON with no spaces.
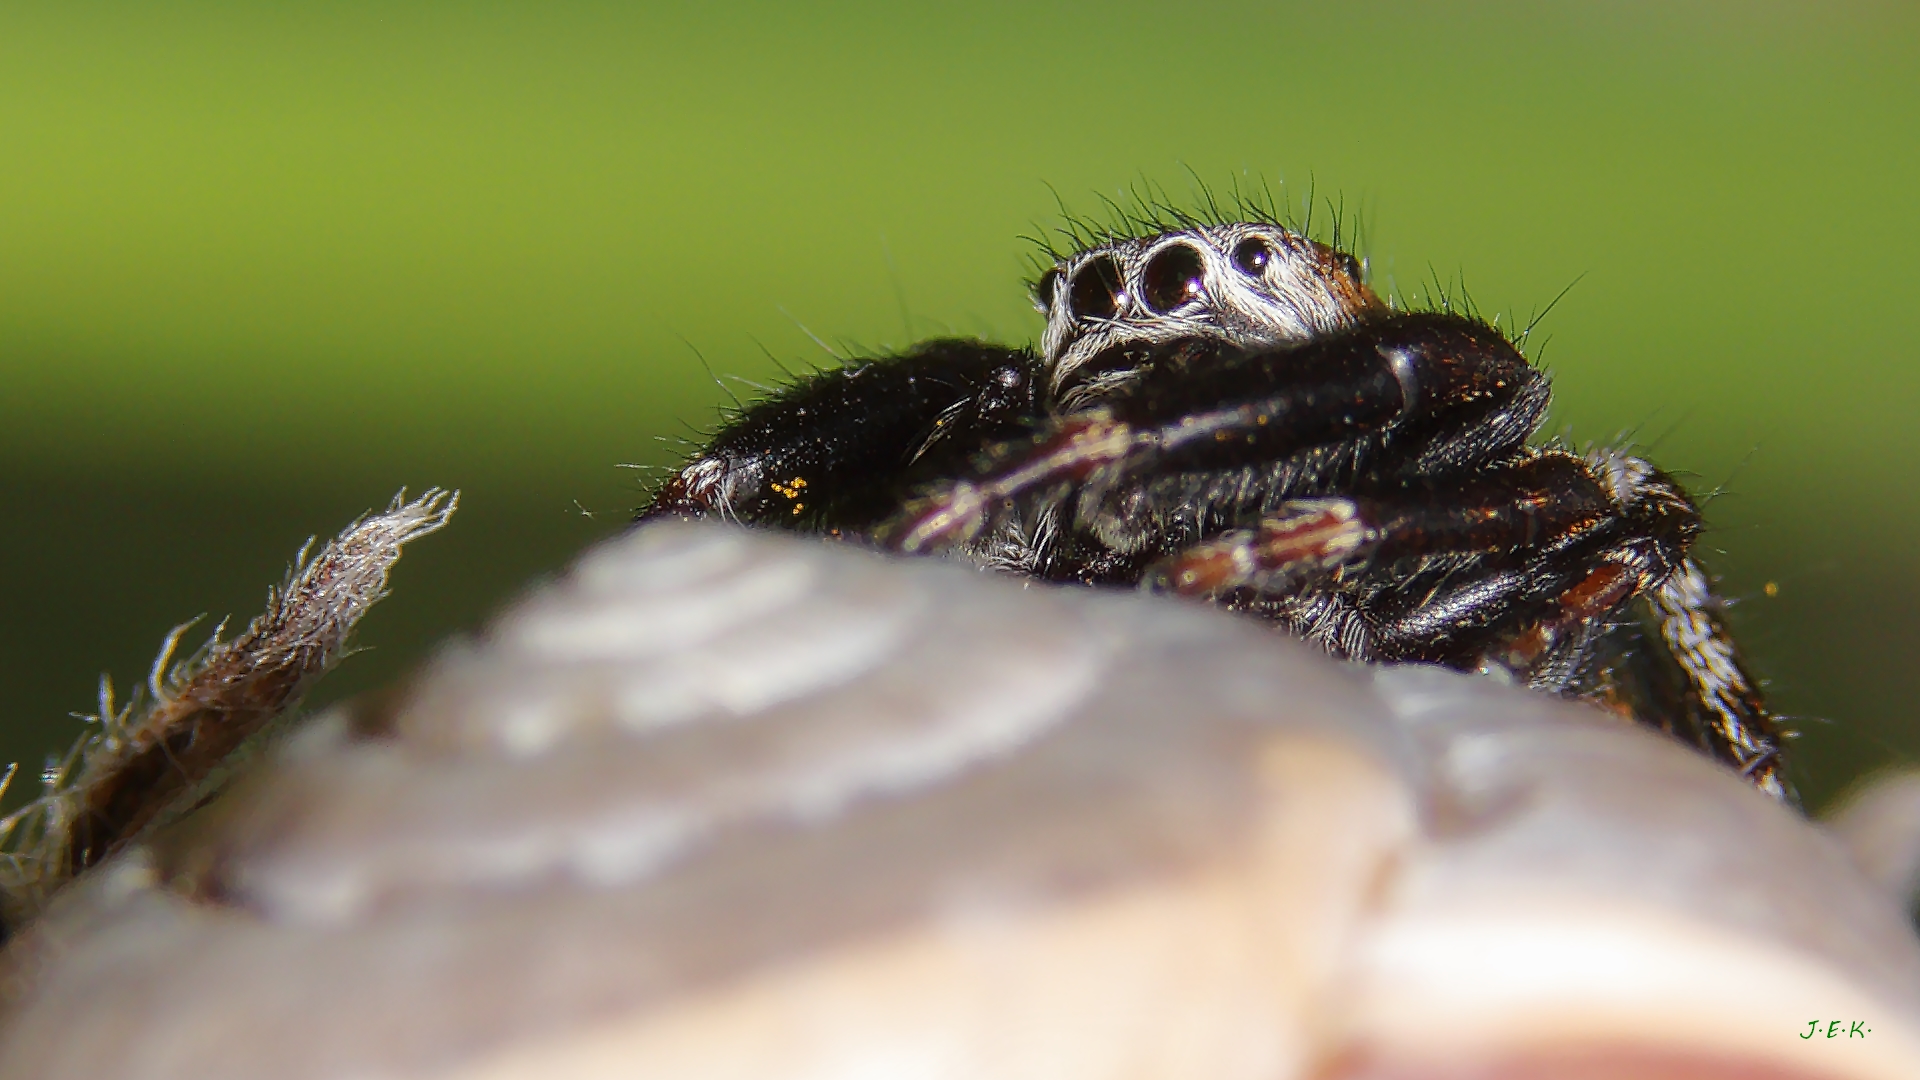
{"x":1173,"y":276}
{"x":1095,"y":290}
{"x":1252,"y":256}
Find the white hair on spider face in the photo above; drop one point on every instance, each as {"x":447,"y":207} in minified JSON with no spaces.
{"x":1246,"y":283}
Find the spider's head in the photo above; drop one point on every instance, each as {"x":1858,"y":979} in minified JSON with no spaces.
{"x":1248,"y":284}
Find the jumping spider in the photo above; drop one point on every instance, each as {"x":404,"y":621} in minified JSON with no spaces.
{"x":1226,"y":410}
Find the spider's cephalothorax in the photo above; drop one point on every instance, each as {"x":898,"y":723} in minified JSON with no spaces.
{"x":1227,"y":411}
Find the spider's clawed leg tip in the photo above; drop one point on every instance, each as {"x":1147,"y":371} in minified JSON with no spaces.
{"x":1206,"y":570}
{"x":1312,"y":532}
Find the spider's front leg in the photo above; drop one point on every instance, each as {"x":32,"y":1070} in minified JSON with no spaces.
{"x":1564,"y":550}
{"x":1556,"y":543}
{"x":1726,"y":700}
{"x":1453,"y":391}
{"x":834,"y":452}
{"x":1541,"y":500}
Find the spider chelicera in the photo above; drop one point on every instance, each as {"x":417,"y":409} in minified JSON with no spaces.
{"x":1226,"y":410}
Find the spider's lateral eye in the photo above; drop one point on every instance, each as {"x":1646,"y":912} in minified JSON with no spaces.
{"x":1173,"y":276}
{"x":1044,"y":289}
{"x":1349,"y":264}
{"x":1252,"y":255}
{"x":1095,"y":289}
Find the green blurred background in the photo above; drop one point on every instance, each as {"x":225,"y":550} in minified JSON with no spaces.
{"x":261,"y":265}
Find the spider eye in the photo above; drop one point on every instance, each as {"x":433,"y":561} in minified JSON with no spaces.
{"x":1095,"y":290}
{"x":1252,"y":256}
{"x":1350,"y":265}
{"x":1173,"y":277}
{"x":1044,"y":289}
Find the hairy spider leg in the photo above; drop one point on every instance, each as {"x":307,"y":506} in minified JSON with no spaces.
{"x":1533,"y":608}
{"x":837,"y":451}
{"x":1438,"y":378}
{"x":1539,"y":500}
{"x":1718,"y":682}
